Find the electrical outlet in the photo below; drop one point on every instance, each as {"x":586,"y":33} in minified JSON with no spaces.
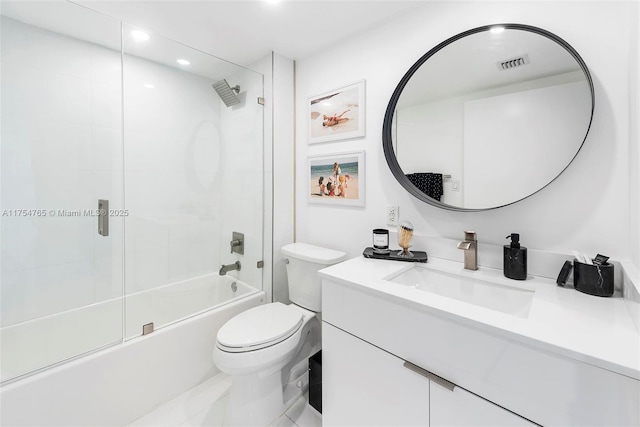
{"x":393,"y":215}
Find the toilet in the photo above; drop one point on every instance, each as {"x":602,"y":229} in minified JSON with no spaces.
{"x":266,"y":348}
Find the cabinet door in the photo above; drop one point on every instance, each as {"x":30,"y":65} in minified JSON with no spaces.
{"x":461,"y":408}
{"x":363,"y":385}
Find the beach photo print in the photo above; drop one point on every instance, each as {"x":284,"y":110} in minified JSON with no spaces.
{"x":337,"y":179}
{"x":338,"y":114}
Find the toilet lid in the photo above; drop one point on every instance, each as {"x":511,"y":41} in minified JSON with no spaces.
{"x":259,"y":327}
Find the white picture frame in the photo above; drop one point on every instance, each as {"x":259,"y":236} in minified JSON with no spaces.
{"x":341,"y":185}
{"x":338,"y":114}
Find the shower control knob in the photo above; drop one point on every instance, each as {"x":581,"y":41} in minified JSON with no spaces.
{"x":237,"y":243}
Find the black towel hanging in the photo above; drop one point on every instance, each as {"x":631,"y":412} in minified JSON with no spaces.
{"x":429,"y":183}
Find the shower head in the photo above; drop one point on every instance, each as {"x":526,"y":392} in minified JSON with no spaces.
{"x":228,"y":94}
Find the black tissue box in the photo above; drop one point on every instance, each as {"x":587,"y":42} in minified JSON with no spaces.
{"x":596,"y":279}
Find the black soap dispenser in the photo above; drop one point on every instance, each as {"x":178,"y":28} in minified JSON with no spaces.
{"x":515,"y":259}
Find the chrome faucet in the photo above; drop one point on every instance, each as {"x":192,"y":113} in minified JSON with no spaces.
{"x":226,"y":268}
{"x":470,"y":248}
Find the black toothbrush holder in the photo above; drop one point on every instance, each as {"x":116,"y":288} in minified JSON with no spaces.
{"x":593,"y":279}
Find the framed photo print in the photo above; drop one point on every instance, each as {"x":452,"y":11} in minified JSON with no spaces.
{"x":338,"y":114}
{"x":337,"y":179}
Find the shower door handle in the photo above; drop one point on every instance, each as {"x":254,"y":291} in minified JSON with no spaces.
{"x":103,"y":217}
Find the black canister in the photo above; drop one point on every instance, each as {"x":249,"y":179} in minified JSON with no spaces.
{"x":593,"y":279}
{"x":380,"y":239}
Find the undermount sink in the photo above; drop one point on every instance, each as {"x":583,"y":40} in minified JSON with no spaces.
{"x":513,"y":300}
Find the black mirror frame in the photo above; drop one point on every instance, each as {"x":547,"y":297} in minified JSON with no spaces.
{"x":387,"y":141}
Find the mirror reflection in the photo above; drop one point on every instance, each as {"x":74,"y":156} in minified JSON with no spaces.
{"x":488,"y":118}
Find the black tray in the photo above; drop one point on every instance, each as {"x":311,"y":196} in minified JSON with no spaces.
{"x":418,"y":256}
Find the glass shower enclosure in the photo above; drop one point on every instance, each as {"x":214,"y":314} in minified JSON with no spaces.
{"x":123,"y":178}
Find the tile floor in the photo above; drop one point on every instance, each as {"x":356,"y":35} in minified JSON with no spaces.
{"x":204,"y":406}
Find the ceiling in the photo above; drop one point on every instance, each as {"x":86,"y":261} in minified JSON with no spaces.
{"x":447,"y":73}
{"x":243,"y":31}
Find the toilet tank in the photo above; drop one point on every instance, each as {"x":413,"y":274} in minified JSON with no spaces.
{"x":303,"y":263}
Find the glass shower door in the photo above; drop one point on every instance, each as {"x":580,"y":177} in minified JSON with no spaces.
{"x":61,"y":146}
{"x":193,"y":176}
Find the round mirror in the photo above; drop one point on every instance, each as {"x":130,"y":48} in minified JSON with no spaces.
{"x":488,"y":117}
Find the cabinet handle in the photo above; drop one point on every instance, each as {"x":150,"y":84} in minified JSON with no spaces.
{"x":433,"y":377}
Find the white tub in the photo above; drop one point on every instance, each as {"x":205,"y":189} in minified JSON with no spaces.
{"x":118,"y":384}
{"x":177,"y":301}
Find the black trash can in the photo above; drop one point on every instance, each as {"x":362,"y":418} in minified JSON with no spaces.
{"x":315,"y":381}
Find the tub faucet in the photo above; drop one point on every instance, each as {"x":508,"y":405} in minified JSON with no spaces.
{"x":226,"y":268}
{"x":470,"y":248}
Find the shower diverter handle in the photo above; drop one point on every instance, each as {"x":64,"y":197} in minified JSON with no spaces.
{"x":237,"y":243}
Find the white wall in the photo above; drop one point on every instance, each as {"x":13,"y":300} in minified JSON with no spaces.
{"x":634,"y":138}
{"x":537,"y":153}
{"x":587,"y":208}
{"x":444,"y":129}
{"x":470,"y":127}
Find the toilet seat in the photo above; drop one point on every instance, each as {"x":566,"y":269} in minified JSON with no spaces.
{"x":259,"y":327}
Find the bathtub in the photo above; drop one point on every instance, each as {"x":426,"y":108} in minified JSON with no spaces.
{"x":175,"y":302}
{"x":124,"y":380}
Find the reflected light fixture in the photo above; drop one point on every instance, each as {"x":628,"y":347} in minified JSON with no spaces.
{"x":183,"y":62}
{"x":139,"y":35}
{"x":149,"y":86}
{"x":496,"y":30}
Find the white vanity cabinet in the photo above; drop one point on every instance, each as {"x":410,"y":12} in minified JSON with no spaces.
{"x":369,"y":331}
{"x":458,"y":407}
{"x":364,"y":385}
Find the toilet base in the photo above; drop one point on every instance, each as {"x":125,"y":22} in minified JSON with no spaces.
{"x":255,"y":402}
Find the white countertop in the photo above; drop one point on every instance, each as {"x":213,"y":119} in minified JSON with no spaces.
{"x":594,"y":330}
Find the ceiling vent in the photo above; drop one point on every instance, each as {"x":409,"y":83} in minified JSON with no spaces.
{"x":513,"y":62}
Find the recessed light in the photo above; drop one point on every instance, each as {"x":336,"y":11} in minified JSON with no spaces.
{"x":496,"y":30}
{"x":139,"y":35}
{"x":272,"y":1}
{"x":183,"y":62}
